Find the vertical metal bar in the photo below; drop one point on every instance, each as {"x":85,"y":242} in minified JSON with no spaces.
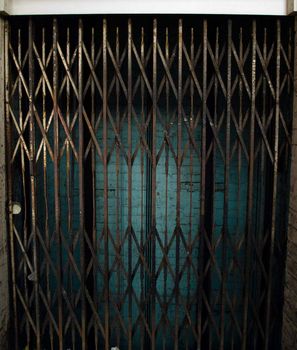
{"x":81,"y":186}
{"x":33,"y":185}
{"x":57,"y":183}
{"x":89,"y":196}
{"x":178,"y":179}
{"x":264,"y":206}
{"x":191,"y":173}
{"x":93,"y":166}
{"x":148,"y":216}
{"x":290,"y":55}
{"x":249,"y":219}
{"x":226,"y":187}
{"x":202,"y":185}
{"x":118,"y":235}
{"x":274,"y":189}
{"x":10,"y":183}
{"x":24,"y":184}
{"x":105,"y":171}
{"x":208,"y":219}
{"x":214,"y":165}
{"x":239,"y":164}
{"x":154,"y":165}
{"x":68,"y":165}
{"x":45,"y":191}
{"x":4,"y":293}
{"x":167,"y":91}
{"x":263,"y":148}
{"x":69,"y":172}
{"x":142,"y":332}
{"x":212,"y":176}
{"x":130,"y":182}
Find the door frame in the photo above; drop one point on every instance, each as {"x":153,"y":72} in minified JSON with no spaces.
{"x":4,"y":273}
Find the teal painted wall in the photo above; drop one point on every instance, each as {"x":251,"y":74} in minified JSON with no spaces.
{"x":166,"y":220}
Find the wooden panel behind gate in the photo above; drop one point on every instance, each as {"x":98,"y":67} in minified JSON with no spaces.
{"x":150,"y":159}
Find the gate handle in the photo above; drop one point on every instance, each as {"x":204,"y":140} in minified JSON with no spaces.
{"x":15,"y":208}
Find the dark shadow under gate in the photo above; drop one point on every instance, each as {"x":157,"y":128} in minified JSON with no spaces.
{"x":150,"y":159}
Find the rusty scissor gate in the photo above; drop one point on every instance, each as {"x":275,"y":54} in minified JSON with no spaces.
{"x":150,"y":159}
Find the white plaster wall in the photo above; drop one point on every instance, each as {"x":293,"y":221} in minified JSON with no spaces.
{"x":292,"y":6}
{"x":3,"y":5}
{"x":265,"y":7}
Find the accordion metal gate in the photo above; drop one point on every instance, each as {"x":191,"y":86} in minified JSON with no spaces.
{"x":147,"y":164}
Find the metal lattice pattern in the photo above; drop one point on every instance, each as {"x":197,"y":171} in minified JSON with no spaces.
{"x":150,"y":161}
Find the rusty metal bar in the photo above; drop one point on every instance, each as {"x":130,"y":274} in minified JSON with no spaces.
{"x":167,"y":92}
{"x":69,"y":185}
{"x":250,"y":190}
{"x":191,"y":221}
{"x":93,"y":171}
{"x":142,"y":200}
{"x":4,"y":242}
{"x":275,"y":184}
{"x":33,"y":184}
{"x":118,"y":233}
{"x":226,"y":185}
{"x":154,"y":166}
{"x":178,"y":188}
{"x":45,"y":187}
{"x":201,"y":258}
{"x":129,"y":165}
{"x":209,"y":204}
{"x":105,"y":171}
{"x":26,"y":209}
{"x":235,"y":298}
{"x":57,"y":182}
{"x":81,"y":187}
{"x":10,"y":184}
